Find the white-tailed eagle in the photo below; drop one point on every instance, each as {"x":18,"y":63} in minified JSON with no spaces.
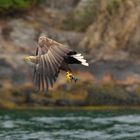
{"x":50,"y":58}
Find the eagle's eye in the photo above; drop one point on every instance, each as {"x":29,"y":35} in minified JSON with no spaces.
{"x":42,"y":38}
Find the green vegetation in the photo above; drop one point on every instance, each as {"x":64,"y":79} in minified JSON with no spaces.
{"x":15,"y":4}
{"x":85,"y":15}
{"x":8,"y":6}
{"x":113,"y":5}
{"x":101,"y":94}
{"x":82,"y":17}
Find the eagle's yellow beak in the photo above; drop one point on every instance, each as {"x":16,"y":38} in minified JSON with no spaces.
{"x":27,"y":59}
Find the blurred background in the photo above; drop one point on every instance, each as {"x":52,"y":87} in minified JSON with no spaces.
{"x":105,"y":31}
{"x":104,"y":103}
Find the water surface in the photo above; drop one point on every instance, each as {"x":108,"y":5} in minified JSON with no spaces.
{"x":69,"y":125}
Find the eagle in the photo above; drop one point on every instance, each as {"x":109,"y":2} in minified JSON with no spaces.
{"x":51,"y":57}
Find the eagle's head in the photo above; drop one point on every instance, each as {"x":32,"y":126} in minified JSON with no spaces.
{"x":32,"y":59}
{"x":43,"y":39}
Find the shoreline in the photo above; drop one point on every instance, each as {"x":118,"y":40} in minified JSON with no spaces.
{"x":77,"y":108}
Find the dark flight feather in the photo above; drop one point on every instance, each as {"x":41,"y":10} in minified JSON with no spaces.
{"x":51,"y":56}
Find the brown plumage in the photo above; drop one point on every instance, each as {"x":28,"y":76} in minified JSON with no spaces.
{"x":51,"y":57}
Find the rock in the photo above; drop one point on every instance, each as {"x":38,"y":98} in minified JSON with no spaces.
{"x":22,"y":34}
{"x":114,"y":33}
{"x":14,"y":69}
{"x":120,"y":70}
{"x":61,"y":4}
{"x":111,"y":42}
{"x":66,"y":102}
{"x":82,"y":15}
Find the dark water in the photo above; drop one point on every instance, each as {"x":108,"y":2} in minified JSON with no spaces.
{"x":69,"y":125}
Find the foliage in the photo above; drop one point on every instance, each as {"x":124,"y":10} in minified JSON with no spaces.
{"x":7,"y":6}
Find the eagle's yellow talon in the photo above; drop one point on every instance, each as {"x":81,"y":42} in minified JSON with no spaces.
{"x":69,"y":76}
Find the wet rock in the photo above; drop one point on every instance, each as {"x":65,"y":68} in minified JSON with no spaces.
{"x":66,"y":102}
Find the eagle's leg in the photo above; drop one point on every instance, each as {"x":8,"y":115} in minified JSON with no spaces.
{"x":75,"y":79}
{"x":69,"y":75}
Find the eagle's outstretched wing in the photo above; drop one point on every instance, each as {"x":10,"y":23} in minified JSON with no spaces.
{"x":50,"y":58}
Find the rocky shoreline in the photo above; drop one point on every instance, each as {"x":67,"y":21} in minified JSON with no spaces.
{"x":109,"y":40}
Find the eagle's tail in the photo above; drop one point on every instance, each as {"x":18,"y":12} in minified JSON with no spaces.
{"x":80,"y":58}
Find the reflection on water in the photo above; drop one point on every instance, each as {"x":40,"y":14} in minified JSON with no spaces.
{"x":70,"y":125}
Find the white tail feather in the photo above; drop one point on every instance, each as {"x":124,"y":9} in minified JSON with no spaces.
{"x":77,"y":54}
{"x":80,"y":58}
{"x":85,"y":64}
